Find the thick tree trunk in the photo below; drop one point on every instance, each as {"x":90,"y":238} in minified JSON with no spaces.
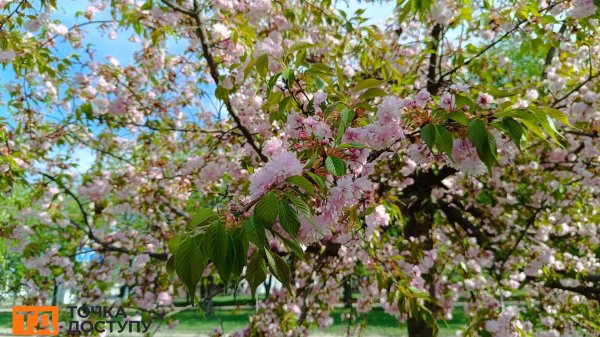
{"x":55,"y":295}
{"x":206,"y":294}
{"x":268,"y":286}
{"x":347,"y":293}
{"x":420,"y":224}
{"x":417,"y":327}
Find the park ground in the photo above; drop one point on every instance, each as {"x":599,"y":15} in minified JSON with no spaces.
{"x":194,"y":323}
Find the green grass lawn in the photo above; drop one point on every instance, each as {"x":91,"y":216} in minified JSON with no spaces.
{"x":378,"y":322}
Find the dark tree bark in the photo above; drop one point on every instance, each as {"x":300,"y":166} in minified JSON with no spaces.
{"x":347,"y":293}
{"x":420,"y":224}
{"x":433,"y":82}
{"x":54,"y":295}
{"x":268,"y":286}
{"x":207,"y":294}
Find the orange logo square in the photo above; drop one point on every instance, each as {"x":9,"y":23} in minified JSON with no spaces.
{"x":35,"y":321}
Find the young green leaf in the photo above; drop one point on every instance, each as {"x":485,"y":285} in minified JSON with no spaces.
{"x":240,"y":245}
{"x":336,"y":166}
{"x":279,"y":268}
{"x":288,"y":76}
{"x":256,"y":272}
{"x":347,"y":116}
{"x":214,"y":245}
{"x":301,"y":206}
{"x":293,"y":246}
{"x":444,"y":140}
{"x":318,"y":180}
{"x":533,"y":127}
{"x":190,"y":263}
{"x":288,"y":218}
{"x":514,"y":130}
{"x":202,"y":216}
{"x":174,"y":243}
{"x":266,"y":209}
{"x":487,"y":153}
{"x":367,"y":83}
{"x":557,"y":114}
{"x":477,"y":133}
{"x":302,"y":182}
{"x":256,"y":232}
{"x":459,"y":117}
{"x":372,"y":93}
{"x":428,"y":135}
{"x":171,"y":265}
{"x":262,"y":65}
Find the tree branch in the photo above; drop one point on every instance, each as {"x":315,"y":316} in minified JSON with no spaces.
{"x":433,"y":84}
{"x":579,"y":86}
{"x":89,"y":232}
{"x":454,"y":215}
{"x":488,"y":47}
{"x":178,"y":8}
{"x":551,"y":52}
{"x":202,"y":34}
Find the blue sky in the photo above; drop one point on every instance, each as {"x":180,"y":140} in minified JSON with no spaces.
{"x":121,"y":48}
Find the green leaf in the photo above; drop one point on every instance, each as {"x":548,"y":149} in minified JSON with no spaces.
{"x":279,"y":268}
{"x":301,"y":206}
{"x":190,"y":263}
{"x":301,"y":182}
{"x":352,"y":146}
{"x":288,"y":218}
{"x":477,"y":132}
{"x":487,"y":153}
{"x":171,"y":266}
{"x":484,"y":142}
{"x":533,"y":127}
{"x":459,"y":117}
{"x":256,"y":272}
{"x":174,"y":243}
{"x":514,"y":130}
{"x":444,"y":140}
{"x":498,"y":93}
{"x":227,"y":268}
{"x":288,"y":76}
{"x":266,"y":209}
{"x":298,"y":46}
{"x":293,"y":246}
{"x":202,"y":216}
{"x":271,"y":84}
{"x":428,"y":135}
{"x":336,"y":166}
{"x":545,"y":121}
{"x":249,"y":66}
{"x":557,"y":114}
{"x":214,"y":244}
{"x":87,"y":109}
{"x":283,"y":107}
{"x":340,"y":76}
{"x":367,"y":83}
{"x":262,"y":65}
{"x":318,"y":180}
{"x":347,"y":116}
{"x":256,"y":232}
{"x":372,"y":93}
{"x":240,"y":245}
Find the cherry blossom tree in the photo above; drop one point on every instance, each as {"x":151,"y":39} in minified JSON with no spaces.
{"x":450,"y":153}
